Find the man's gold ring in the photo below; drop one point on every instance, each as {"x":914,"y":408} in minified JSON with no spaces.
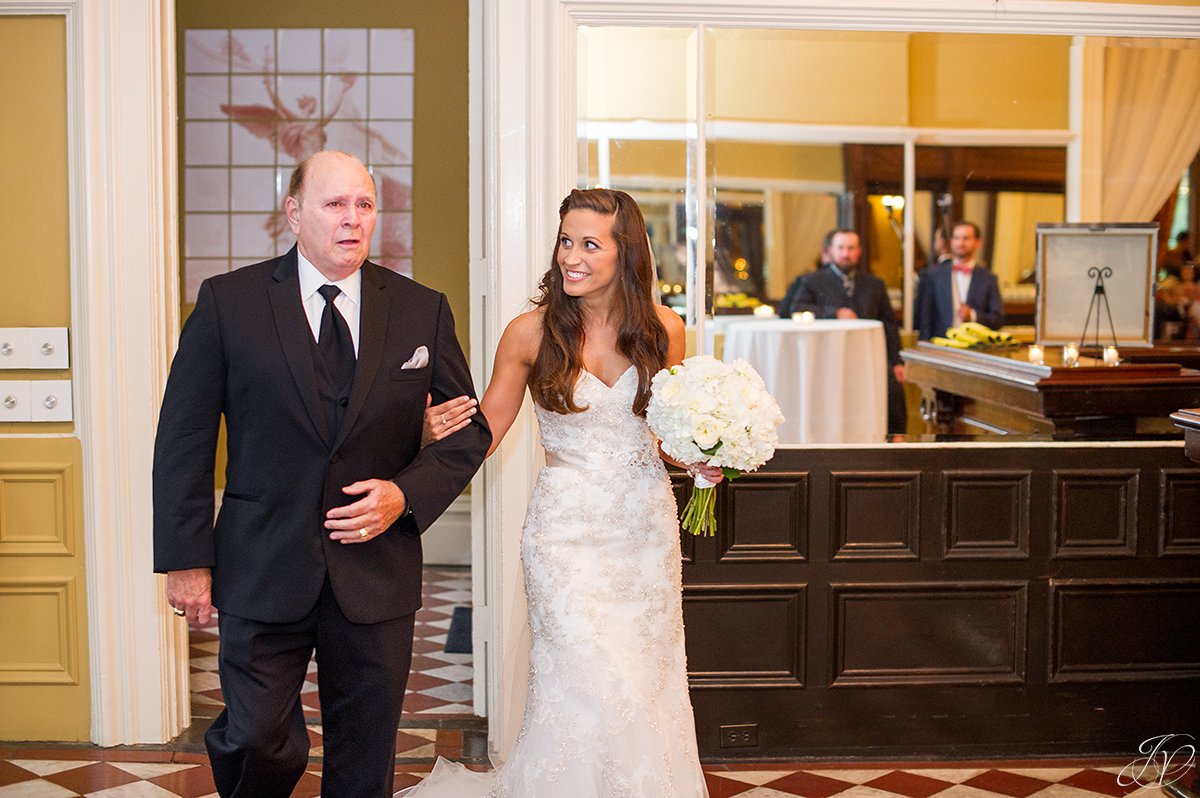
{"x":362,"y":534}
{"x":443,"y":419}
{"x":178,"y":611}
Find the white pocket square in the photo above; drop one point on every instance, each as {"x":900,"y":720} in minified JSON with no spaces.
{"x":419,"y":359}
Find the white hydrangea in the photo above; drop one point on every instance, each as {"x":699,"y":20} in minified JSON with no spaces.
{"x":705,"y":405}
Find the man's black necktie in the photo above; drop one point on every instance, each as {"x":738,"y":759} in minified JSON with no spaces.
{"x":334,"y":341}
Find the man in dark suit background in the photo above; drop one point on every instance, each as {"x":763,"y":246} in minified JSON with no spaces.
{"x":320,"y":363}
{"x":841,"y":289}
{"x":958,"y":289}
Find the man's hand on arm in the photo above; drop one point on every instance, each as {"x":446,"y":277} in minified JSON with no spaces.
{"x":381,"y":504}
{"x":845,"y":313}
{"x":191,"y":591}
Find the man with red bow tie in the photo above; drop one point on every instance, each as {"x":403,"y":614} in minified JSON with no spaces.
{"x":958,"y":289}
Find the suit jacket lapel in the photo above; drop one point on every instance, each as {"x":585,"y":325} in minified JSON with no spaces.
{"x":372,"y":329}
{"x":294,"y":334}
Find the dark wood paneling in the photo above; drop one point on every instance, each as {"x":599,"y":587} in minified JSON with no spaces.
{"x":985,"y":514}
{"x":1132,"y":629}
{"x":767,"y":520}
{"x":876,"y":515}
{"x":1179,"y":522}
{"x":769,"y":620}
{"x":959,"y":601}
{"x":1095,"y":513}
{"x":681,"y":486}
{"x":913,"y":634}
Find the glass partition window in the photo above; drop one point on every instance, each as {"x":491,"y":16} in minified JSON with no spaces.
{"x":746,"y":146}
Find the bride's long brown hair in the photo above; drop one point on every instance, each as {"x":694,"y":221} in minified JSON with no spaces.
{"x":641,"y":336}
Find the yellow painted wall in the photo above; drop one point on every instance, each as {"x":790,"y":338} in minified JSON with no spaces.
{"x":440,"y":144}
{"x":818,"y":77}
{"x":987,"y":81}
{"x":730,"y":161}
{"x":830,"y":77}
{"x":43,"y":602}
{"x":636,"y":73}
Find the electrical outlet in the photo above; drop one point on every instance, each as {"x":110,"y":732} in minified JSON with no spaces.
{"x":741,"y":735}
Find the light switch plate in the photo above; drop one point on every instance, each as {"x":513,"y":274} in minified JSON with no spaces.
{"x":14,"y":400}
{"x":50,"y":400}
{"x":49,"y":348}
{"x":14,"y":348}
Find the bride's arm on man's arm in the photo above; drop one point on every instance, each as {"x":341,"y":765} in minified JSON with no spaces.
{"x":505,"y":391}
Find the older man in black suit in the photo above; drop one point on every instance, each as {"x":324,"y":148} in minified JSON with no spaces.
{"x":320,"y":363}
{"x":841,"y":289}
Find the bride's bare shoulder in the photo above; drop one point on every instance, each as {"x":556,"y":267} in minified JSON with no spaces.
{"x":523,"y":335}
{"x":670,"y":320}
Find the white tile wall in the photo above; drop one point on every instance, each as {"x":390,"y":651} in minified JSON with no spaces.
{"x":256,"y":101}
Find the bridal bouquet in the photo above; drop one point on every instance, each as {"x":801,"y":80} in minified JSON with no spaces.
{"x":719,"y":413}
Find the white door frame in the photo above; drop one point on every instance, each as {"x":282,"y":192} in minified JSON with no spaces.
{"x":528,"y":148}
{"x":124,"y":322}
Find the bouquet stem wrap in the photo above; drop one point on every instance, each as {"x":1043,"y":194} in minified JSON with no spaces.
{"x":700,"y":513}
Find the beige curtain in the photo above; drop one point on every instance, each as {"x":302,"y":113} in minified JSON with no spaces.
{"x":1151,"y":123}
{"x":801,"y":221}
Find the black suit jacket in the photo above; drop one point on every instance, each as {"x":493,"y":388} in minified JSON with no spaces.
{"x":935,"y":300}
{"x":822,"y":293}
{"x":246,"y":353}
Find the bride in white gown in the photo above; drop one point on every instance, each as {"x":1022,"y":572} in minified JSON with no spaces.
{"x":608,"y":714}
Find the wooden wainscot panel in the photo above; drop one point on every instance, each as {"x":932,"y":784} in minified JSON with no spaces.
{"x":35,"y":509}
{"x":681,"y":486}
{"x":1124,"y":630}
{"x":985,"y":514}
{"x":745,"y":636}
{"x":1179,"y":514}
{"x":37,"y":616}
{"x":876,"y":514}
{"x":925,"y":634}
{"x":1094,"y":512}
{"x":767,"y":519}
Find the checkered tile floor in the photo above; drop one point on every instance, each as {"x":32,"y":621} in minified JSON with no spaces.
{"x":440,"y":684}
{"x":108,"y":773}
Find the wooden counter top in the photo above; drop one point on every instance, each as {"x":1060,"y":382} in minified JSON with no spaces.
{"x":968,"y":390}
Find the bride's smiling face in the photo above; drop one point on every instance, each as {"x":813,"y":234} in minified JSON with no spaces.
{"x":587,"y":254}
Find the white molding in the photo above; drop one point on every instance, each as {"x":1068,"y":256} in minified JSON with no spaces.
{"x":125,"y":309}
{"x":447,"y":541}
{"x":968,"y":16}
{"x":800,"y":133}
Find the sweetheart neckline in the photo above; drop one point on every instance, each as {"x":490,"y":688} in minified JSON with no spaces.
{"x":605,"y":384}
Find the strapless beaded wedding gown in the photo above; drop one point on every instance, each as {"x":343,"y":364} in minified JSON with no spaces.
{"x":608,"y":713}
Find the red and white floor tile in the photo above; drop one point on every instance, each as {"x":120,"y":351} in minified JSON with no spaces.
{"x":64,"y":773}
{"x":440,"y":684}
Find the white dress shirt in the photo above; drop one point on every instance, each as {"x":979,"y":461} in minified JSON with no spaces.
{"x":962,"y":284}
{"x":347,"y":302}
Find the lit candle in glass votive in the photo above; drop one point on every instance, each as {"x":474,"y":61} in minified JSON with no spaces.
{"x":764,"y":312}
{"x":1111,"y":356}
{"x":804,"y":316}
{"x":1036,"y":356}
{"x":1070,"y":355}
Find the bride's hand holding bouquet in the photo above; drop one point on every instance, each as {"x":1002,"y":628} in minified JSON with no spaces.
{"x":717,"y":414}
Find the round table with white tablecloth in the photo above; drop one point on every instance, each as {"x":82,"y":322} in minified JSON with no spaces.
{"x":829,"y":375}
